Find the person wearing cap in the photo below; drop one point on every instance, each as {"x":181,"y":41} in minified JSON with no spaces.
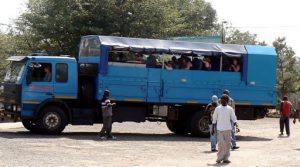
{"x":210,"y":108}
{"x":106,"y":107}
{"x":231,"y":103}
{"x":285,"y":112}
{"x":222,"y":118}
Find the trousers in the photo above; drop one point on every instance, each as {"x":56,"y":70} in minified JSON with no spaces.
{"x":107,"y":126}
{"x":213,"y":138}
{"x":285,"y":121}
{"x":224,"y":144}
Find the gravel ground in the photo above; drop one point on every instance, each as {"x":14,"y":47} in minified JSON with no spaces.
{"x":146,"y":144}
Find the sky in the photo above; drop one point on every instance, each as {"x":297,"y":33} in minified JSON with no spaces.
{"x":268,"y":19}
{"x":10,"y":9}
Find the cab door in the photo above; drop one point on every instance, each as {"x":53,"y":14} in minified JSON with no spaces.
{"x":40,"y":86}
{"x":65,"y":80}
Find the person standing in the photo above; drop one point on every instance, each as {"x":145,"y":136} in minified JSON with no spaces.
{"x":106,"y":107}
{"x":297,"y":113}
{"x":222,"y":118}
{"x":231,"y":103}
{"x":210,"y":108}
{"x":285,"y":112}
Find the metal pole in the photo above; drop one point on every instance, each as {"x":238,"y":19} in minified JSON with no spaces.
{"x":223,"y":31}
{"x":221,"y":63}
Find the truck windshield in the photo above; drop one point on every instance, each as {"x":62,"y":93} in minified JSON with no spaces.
{"x":14,"y":72}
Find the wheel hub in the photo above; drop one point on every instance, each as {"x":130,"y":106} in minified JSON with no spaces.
{"x":203,"y":124}
{"x":52,"y":120}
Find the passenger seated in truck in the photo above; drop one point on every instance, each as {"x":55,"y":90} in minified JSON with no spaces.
{"x":48,"y":73}
{"x":188,"y":64}
{"x":151,"y":61}
{"x":121,"y":57}
{"x":184,"y":62}
{"x":168,"y":65}
{"x":139,"y":58}
{"x":206,"y":64}
{"x":235,"y":66}
{"x":174,"y":62}
{"x":197,"y":64}
{"x":181,"y":62}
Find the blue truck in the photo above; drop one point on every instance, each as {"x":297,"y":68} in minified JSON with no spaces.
{"x":142,"y":92}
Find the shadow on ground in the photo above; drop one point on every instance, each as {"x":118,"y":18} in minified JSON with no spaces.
{"x":93,"y":136}
{"x":218,"y":164}
{"x":252,"y":138}
{"x":121,"y":136}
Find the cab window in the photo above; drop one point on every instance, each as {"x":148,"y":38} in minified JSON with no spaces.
{"x":61,"y":72}
{"x":89,"y":47}
{"x":41,"y":72}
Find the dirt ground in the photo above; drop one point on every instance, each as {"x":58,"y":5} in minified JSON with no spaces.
{"x":146,"y":145}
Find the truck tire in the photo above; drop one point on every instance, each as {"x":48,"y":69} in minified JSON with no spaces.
{"x":30,"y":125}
{"x":52,"y":120}
{"x":177,"y":127}
{"x":199,"y":125}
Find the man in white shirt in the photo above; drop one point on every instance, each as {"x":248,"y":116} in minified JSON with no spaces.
{"x":224,"y":115}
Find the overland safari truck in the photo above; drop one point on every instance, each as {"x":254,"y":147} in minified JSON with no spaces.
{"x":142,"y":91}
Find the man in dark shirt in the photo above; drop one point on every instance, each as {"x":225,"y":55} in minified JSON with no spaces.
{"x":106,"y":107}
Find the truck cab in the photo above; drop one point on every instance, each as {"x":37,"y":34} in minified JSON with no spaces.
{"x":33,"y":83}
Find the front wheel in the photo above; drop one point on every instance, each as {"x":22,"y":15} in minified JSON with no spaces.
{"x":30,"y":125}
{"x":52,"y":120}
{"x":199,"y":125}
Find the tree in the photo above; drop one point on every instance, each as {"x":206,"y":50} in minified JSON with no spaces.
{"x":235,"y":36}
{"x":7,"y":48}
{"x":287,"y":78}
{"x":55,"y":26}
{"x":199,"y":17}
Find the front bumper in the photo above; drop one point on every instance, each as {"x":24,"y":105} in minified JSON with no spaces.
{"x":8,"y":116}
{"x":10,"y":102}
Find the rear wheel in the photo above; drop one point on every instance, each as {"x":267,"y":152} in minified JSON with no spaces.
{"x":52,"y":120}
{"x":178,"y":127}
{"x":30,"y":125}
{"x":199,"y":125}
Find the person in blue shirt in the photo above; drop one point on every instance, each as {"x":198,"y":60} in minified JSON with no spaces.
{"x":210,"y":108}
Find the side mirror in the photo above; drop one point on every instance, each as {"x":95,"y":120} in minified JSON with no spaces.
{"x":28,"y":77}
